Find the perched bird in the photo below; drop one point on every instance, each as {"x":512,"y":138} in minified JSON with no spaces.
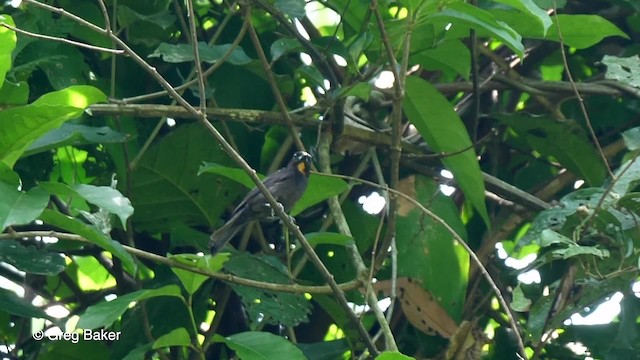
{"x":286,"y":185}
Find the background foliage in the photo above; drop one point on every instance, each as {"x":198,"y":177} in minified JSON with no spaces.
{"x":123,"y":145}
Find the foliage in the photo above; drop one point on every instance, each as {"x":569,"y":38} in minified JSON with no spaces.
{"x":119,"y":155}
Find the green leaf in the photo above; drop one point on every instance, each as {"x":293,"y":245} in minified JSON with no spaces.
{"x":565,"y":141}
{"x":138,"y":353}
{"x":576,"y":250}
{"x":177,"y":53}
{"x":20,"y":126}
{"x":177,"y":337}
{"x":14,"y":94}
{"x":392,"y":355}
{"x":31,"y":259}
{"x":425,"y":247}
{"x":451,"y":55}
{"x":104,"y":197}
{"x":632,"y":138}
{"x":624,"y":70}
{"x":293,"y":8}
{"x":264,"y":346}
{"x":361,"y":90}
{"x":105,"y":313}
{"x":187,"y":198}
{"x":8,"y":41}
{"x":631,"y":201}
{"x":441,"y":127}
{"x":629,"y":180}
{"x":320,"y":188}
{"x":90,"y":233}
{"x":13,"y":304}
{"x":72,"y":134}
{"x":328,"y":238}
{"x":127,"y":17}
{"x":271,"y":307}
{"x":190,"y":280}
{"x":325,"y":350}
{"x":472,"y":16}
{"x":17,"y":207}
{"x":530,"y":7}
{"x":313,"y":76}
{"x":583,"y":31}
{"x":236,"y":174}
{"x":549,"y":237}
{"x":284,"y":46}
{"x":578,"y":31}
{"x":520,"y":302}
{"x":9,"y":177}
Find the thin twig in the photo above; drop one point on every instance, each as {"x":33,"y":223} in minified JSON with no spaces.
{"x":196,"y":56}
{"x":272,"y":82}
{"x":62,"y":40}
{"x":583,"y":108}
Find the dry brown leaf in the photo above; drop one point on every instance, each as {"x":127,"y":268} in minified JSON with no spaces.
{"x":420,"y":307}
{"x":408,"y":187}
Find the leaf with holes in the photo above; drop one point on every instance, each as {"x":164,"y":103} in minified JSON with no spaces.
{"x":420,"y":307}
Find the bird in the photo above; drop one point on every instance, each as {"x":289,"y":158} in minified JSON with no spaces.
{"x":286,"y":185}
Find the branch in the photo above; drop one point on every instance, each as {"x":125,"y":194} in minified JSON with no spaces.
{"x":294,"y":288}
{"x":62,"y":40}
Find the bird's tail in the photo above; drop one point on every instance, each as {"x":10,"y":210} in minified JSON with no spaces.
{"x":222,"y":236}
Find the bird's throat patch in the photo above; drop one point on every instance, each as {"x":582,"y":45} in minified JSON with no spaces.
{"x":302,"y":167}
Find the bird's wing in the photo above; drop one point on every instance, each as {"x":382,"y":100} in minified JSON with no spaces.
{"x":255,"y":194}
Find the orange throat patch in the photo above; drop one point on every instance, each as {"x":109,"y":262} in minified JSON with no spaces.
{"x":302,"y":167}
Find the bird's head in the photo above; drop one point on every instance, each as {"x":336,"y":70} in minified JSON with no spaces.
{"x":302,"y":162}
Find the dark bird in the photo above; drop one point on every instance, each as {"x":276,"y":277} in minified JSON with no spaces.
{"x":286,"y":185}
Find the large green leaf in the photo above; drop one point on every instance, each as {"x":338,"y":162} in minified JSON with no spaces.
{"x":441,"y":127}
{"x":20,"y":126}
{"x":90,"y":233}
{"x":128,"y":17}
{"x":190,"y":280}
{"x":319,"y":189}
{"x":393,"y":355}
{"x":166,"y":188}
{"x":293,"y":8}
{"x":565,"y":141}
{"x":8,"y":40}
{"x":268,"y":306}
{"x":30,"y":259}
{"x":14,"y":94}
{"x":104,"y":197}
{"x":425,"y":248}
{"x":17,"y":207}
{"x":579,"y":31}
{"x":468,"y":15}
{"x":236,"y":174}
{"x":262,"y":345}
{"x":177,"y":337}
{"x":451,"y":55}
{"x":529,"y":7}
{"x":13,"y":304}
{"x":105,"y":313}
{"x":73,"y":134}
